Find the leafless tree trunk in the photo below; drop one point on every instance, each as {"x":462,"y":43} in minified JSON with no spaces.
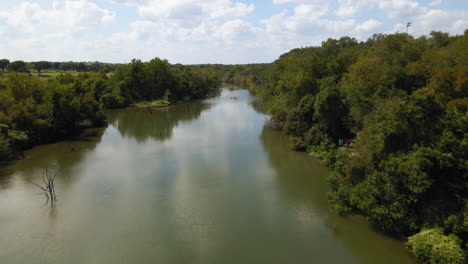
{"x":48,"y":184}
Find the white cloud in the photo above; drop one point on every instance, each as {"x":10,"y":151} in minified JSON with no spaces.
{"x":306,"y":26}
{"x":367,"y":28}
{"x":311,"y":10}
{"x":435,"y":3}
{"x":278,"y":2}
{"x":453,"y":22}
{"x":67,"y":15}
{"x":192,"y":12}
{"x":401,"y":8}
{"x":352,"y":7}
{"x":32,"y":31}
{"x":442,"y":20}
{"x":128,"y":2}
{"x":235,"y":31}
{"x":200,"y":31}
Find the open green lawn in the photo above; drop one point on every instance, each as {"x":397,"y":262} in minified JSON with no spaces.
{"x":55,"y":73}
{"x":51,"y":73}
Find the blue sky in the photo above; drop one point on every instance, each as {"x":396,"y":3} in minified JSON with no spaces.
{"x":206,"y":31}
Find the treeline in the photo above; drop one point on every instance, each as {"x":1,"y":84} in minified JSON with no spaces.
{"x":147,"y":81}
{"x":241,"y":75}
{"x":390,"y":115}
{"x":35,"y":111}
{"x":39,"y":66}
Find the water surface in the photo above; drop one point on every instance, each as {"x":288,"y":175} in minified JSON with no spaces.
{"x":202,"y":182}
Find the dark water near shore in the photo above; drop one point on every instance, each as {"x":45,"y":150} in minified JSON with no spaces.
{"x":202,"y":182}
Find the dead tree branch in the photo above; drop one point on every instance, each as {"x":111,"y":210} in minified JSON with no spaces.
{"x":48,"y":186}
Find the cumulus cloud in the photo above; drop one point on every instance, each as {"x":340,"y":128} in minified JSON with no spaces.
{"x":442,"y":20}
{"x":201,"y":31}
{"x":401,"y":8}
{"x":31,"y":30}
{"x":367,"y":28}
{"x":192,"y":11}
{"x":435,"y":3}
{"x":352,"y":7}
{"x":68,"y":17}
{"x":278,"y":2}
{"x":235,"y":30}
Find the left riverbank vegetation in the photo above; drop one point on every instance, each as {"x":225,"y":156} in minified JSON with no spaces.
{"x":390,"y":115}
{"x":36,"y":110}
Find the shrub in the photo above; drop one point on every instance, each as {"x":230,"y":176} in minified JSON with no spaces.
{"x":433,"y":246}
{"x":296,"y":143}
{"x":111,"y":101}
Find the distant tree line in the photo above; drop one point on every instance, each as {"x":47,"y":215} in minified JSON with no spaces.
{"x":147,"y":81}
{"x":36,"y":111}
{"x":390,"y":115}
{"x":39,"y":66}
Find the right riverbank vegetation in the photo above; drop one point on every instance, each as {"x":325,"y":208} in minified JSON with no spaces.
{"x":389,"y":115}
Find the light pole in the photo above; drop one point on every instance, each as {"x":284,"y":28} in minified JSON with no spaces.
{"x":407,"y":26}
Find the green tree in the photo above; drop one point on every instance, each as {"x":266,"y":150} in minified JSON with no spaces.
{"x":41,"y":65}
{"x":3,"y":64}
{"x":433,"y":246}
{"x":17,"y":66}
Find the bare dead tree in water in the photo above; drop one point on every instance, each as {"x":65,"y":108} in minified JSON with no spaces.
{"x":48,"y":184}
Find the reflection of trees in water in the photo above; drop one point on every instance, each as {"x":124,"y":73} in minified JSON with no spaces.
{"x":141,"y":124}
{"x":5,"y":180}
{"x":65,"y":155}
{"x":302,"y":181}
{"x":300,"y":177}
{"x":258,"y":106}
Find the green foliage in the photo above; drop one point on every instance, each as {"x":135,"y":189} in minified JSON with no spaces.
{"x":399,"y":105}
{"x":17,"y":66}
{"x":157,"y":79}
{"x":111,"y":101}
{"x":5,"y":149}
{"x":36,"y":111}
{"x":433,"y":246}
{"x":296,"y":143}
{"x":3,"y":64}
{"x":41,"y":65}
{"x":299,"y":120}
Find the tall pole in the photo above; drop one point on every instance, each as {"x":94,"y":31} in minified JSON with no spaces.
{"x":407,"y":26}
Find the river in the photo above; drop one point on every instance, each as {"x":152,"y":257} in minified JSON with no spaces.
{"x":201,"y":182}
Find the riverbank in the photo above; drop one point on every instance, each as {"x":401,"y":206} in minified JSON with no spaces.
{"x":14,"y":143}
{"x":405,"y":121}
{"x":155,"y":103}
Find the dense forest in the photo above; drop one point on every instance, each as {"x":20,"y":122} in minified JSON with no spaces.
{"x":36,"y":111}
{"x":390,"y":115}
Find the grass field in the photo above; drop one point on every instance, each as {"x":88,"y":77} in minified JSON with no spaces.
{"x":54,"y":73}
{"x":51,"y":74}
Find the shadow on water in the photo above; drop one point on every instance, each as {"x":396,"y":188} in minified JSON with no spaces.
{"x":63,"y":155}
{"x":302,"y":181}
{"x":298,"y":175}
{"x":140,"y":124}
